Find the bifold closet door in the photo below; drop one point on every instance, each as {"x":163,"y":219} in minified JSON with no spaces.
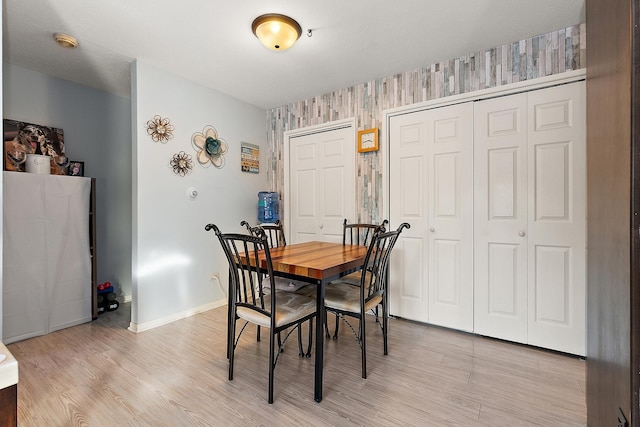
{"x":500,"y":225}
{"x":431,"y":188}
{"x":557,"y":218}
{"x":530,"y":225}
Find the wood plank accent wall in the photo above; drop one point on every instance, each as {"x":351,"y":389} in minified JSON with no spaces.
{"x":544,"y":55}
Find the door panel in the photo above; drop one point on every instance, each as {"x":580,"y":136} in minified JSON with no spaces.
{"x":557,"y":218}
{"x":322,"y":184}
{"x":408,"y":278}
{"x":450,"y":157}
{"x":431,"y":183}
{"x":500,"y":220}
{"x":503,"y":273}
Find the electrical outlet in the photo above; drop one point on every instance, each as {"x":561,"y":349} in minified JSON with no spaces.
{"x":622,"y":420}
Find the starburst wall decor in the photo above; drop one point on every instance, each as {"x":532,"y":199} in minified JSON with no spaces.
{"x":181,"y":163}
{"x":161,"y":130}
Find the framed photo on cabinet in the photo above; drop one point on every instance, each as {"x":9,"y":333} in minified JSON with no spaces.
{"x":368,"y":140}
{"x":76,"y":168}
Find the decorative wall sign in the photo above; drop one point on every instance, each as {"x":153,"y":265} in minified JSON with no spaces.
{"x":250,"y":157}
{"x":210,"y":147}
{"x":21,"y":138}
{"x":161,"y":130}
{"x":368,"y":140}
{"x":181,"y":163}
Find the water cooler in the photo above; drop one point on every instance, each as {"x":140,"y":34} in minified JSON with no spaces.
{"x":268,"y":207}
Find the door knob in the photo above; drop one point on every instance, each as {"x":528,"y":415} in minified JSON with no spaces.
{"x":321,"y":226}
{"x":432,"y":229}
{"x":521,"y":233}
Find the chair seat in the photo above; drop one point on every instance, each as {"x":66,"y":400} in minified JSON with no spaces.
{"x":353,"y":279}
{"x":283,"y":284}
{"x":291,"y":307}
{"x":346,"y":297}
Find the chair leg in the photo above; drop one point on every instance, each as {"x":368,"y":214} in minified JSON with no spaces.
{"x":385,"y":324}
{"x":300,"y":350}
{"x":335,"y":333}
{"x":232,"y":346}
{"x":310,"y":338}
{"x":326,"y":325}
{"x":271,"y":366}
{"x":363,"y":346}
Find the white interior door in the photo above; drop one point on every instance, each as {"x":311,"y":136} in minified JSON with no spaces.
{"x":321,"y":183}
{"x":431,"y":188}
{"x":500,"y":219}
{"x":450,"y":145}
{"x":557,"y":218}
{"x":409,"y":202}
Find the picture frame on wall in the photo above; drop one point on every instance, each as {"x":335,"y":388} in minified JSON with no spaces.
{"x":368,"y":140}
{"x":76,"y":168}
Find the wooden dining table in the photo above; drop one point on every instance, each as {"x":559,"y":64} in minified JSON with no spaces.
{"x":317,"y":263}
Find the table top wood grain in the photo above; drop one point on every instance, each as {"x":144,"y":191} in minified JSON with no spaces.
{"x":316,"y":260}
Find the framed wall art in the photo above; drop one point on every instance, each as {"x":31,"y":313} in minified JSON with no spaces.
{"x":22,"y":138}
{"x":368,"y":140}
{"x":250,"y":157}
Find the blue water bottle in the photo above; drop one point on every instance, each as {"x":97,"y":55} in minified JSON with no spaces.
{"x":268,"y":207}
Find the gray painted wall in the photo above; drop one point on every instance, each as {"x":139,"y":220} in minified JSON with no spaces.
{"x":173,"y":256}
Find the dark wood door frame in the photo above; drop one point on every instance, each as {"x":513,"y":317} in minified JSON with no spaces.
{"x":635,"y":214}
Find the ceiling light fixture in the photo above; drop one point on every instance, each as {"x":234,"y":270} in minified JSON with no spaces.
{"x":65,"y":40}
{"x":275,"y":31}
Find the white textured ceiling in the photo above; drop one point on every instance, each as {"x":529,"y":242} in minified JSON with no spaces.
{"x":211,"y":43}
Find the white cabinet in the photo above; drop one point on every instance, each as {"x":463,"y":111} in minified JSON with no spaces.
{"x":431,"y":188}
{"x":46,"y":256}
{"x":530,"y":220}
{"x":498,"y":227}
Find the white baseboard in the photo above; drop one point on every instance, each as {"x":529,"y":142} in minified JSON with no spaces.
{"x":133,"y":327}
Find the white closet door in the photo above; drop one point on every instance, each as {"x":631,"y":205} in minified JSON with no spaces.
{"x":500,"y":225}
{"x":557,"y":218}
{"x":431,"y":189}
{"x":449,"y":146}
{"x":322,"y":184}
{"x":408,"y":278}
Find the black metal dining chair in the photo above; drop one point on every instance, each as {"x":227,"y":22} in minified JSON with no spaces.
{"x":354,"y":234}
{"x":273,"y":231}
{"x":275,"y":310}
{"x":276,"y":238}
{"x":346,"y":300}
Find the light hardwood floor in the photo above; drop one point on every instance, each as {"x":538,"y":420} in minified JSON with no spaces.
{"x":100,"y":374}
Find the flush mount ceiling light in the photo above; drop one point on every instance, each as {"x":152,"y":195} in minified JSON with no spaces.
{"x":275,"y":31}
{"x":65,"y":40}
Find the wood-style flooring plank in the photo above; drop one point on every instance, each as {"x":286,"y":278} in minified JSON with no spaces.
{"x":101,"y":374}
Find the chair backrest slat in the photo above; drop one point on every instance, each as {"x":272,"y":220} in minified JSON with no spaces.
{"x":373,"y":281}
{"x":274,"y":232}
{"x":243,"y":253}
{"x":360,"y":233}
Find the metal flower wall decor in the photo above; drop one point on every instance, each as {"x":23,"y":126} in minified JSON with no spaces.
{"x":181,"y":163}
{"x":210,"y":147}
{"x":161,"y":130}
